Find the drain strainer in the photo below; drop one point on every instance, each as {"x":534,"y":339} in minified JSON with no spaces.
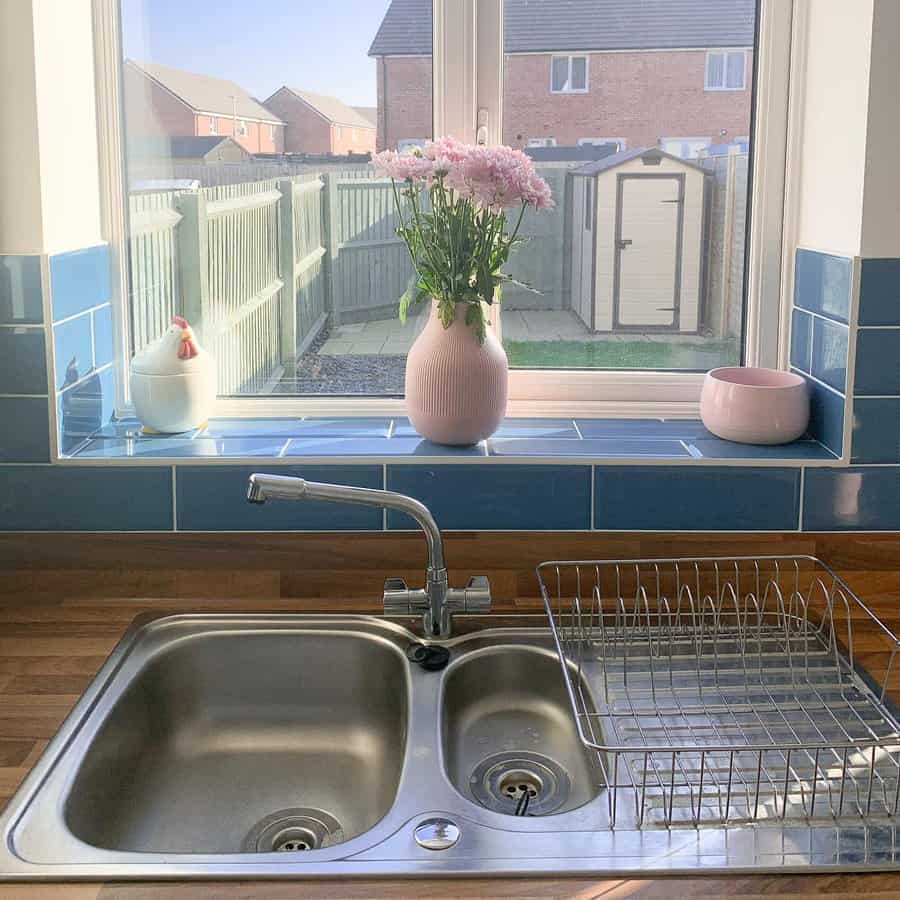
{"x":293,"y":830}
{"x":520,"y":783}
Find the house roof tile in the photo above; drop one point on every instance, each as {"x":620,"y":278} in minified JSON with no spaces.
{"x":550,"y":25}
{"x":332,"y":109}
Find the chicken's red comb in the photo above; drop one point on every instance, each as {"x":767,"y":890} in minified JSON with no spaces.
{"x":179,"y":321}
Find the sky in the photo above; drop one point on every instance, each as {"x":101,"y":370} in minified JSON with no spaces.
{"x":315,"y":45}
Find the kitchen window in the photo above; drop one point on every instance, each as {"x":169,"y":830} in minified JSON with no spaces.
{"x":569,"y":74}
{"x":334,"y":343}
{"x":725,"y":70}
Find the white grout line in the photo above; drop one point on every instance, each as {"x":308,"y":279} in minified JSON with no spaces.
{"x":833,"y":390}
{"x":24,"y":326}
{"x":24,"y":396}
{"x":593,"y":522}
{"x":800,"y":511}
{"x":577,"y":429}
{"x":85,"y":378}
{"x":384,"y":512}
{"x":816,"y":315}
{"x":174,"y":499}
{"x":878,"y":327}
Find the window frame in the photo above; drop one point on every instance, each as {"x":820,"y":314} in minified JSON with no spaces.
{"x":725,"y":52}
{"x":570,"y":57}
{"x":468,"y":88}
{"x":213,"y":125}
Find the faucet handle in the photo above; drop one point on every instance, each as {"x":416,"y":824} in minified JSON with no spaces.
{"x":475,"y":597}
{"x":400,"y":600}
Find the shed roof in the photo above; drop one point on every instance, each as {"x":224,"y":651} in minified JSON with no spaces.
{"x":550,"y":25}
{"x":331,"y":108}
{"x":617,"y":159}
{"x":203,"y":93}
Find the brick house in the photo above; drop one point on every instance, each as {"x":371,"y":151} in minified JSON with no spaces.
{"x":671,"y":72}
{"x":165,"y":102}
{"x":316,"y":123}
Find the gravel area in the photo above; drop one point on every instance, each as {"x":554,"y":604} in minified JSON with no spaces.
{"x":320,"y":374}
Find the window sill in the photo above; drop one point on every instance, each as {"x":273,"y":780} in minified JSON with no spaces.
{"x":560,"y":441}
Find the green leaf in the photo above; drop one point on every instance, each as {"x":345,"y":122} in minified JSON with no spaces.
{"x":404,"y":306}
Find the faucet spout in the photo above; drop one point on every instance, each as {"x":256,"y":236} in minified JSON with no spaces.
{"x":436,"y":599}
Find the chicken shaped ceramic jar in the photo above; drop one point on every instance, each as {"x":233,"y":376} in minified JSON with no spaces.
{"x":173,"y":382}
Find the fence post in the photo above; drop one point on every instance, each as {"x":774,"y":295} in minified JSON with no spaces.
{"x":193,"y":270}
{"x":287,"y":272}
{"x":331,"y":240}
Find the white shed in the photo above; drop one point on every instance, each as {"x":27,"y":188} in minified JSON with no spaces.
{"x":638,"y":225}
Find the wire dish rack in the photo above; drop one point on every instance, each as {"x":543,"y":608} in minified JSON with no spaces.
{"x":727,"y":691}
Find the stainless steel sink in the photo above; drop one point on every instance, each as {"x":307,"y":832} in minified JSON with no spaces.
{"x":247,"y":746}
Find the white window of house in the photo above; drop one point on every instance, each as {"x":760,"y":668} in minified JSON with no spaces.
{"x":638,"y":339}
{"x":569,"y":74}
{"x":272,"y":133}
{"x":725,"y":70}
{"x":242,"y":128}
{"x":686,"y":147}
{"x":213,"y":125}
{"x":355,"y":135}
{"x":621,"y":143}
{"x":339,"y":132}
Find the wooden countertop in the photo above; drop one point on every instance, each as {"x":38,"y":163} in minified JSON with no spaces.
{"x":50,"y":650}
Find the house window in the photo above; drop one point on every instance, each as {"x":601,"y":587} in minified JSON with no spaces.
{"x":568,"y":74}
{"x":213,"y":125}
{"x":686,"y":147}
{"x":573,"y":336}
{"x":355,"y":135}
{"x":272,"y":133}
{"x":725,"y":70}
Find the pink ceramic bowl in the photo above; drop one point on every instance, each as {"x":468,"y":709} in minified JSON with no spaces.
{"x":755,"y":406}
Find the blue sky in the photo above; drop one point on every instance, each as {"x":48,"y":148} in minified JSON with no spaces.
{"x":316,"y":45}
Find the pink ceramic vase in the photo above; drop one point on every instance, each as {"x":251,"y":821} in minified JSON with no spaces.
{"x":455,"y":387}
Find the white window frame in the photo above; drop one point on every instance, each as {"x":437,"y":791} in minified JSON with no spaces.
{"x":587,"y":75}
{"x":272,"y":127}
{"x":467,"y":102}
{"x":725,"y":52}
{"x":213,"y":125}
{"x":241,"y":128}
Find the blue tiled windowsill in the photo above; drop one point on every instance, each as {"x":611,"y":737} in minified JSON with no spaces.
{"x":649,"y":441}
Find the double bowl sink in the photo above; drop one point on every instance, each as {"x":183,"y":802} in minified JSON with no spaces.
{"x":242,"y":746}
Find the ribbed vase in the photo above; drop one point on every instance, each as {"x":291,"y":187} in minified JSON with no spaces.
{"x":455,"y":387}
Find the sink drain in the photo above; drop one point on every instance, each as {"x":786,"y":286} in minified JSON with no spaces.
{"x":520,"y":783}
{"x":292,"y":831}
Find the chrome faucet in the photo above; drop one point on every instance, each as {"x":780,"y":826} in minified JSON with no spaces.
{"x":436,"y":600}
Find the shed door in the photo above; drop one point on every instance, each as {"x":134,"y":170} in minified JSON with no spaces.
{"x":648,"y":251}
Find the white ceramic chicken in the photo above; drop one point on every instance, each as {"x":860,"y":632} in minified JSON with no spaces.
{"x":173,"y":381}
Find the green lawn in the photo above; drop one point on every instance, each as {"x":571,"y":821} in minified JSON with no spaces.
{"x":698,"y":355}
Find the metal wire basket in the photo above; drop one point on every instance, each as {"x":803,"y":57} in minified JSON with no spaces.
{"x":727,"y":690}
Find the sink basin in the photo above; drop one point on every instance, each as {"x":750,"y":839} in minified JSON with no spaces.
{"x":265,"y":746}
{"x":221,"y":732}
{"x":509,"y":741}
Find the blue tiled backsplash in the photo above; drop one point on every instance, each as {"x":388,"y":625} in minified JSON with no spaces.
{"x":500,"y":487}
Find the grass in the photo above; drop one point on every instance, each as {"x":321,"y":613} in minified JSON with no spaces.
{"x":698,"y":355}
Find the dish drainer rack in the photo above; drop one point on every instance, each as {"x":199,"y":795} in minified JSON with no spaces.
{"x":727,"y":691}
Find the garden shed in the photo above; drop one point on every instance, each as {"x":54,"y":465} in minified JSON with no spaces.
{"x":638,"y":220}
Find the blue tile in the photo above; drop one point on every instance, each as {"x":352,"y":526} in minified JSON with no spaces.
{"x":84,"y":409}
{"x":103,"y":336}
{"x":716,"y":448}
{"x":826,"y":416}
{"x":877,"y":362}
{"x":879,"y":292}
{"x":645,"y":429}
{"x":876,"y":431}
{"x":589,"y":448}
{"x":20,"y":290}
{"x":376,"y":446}
{"x":214,"y":498}
{"x":252,"y":428}
{"x":23,"y":364}
{"x":25,"y":433}
{"x":801,"y":340}
{"x":79,"y":280}
{"x":839,"y":499}
{"x":85,"y":498}
{"x":705,"y":498}
{"x":822,"y":284}
{"x":519,"y":497}
{"x":72,"y":353}
{"x":344,"y":427}
{"x":829,"y":353}
{"x":510,"y":428}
